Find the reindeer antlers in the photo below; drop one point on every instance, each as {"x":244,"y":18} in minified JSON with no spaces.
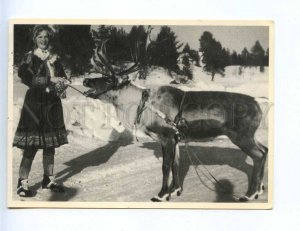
{"x":100,"y":53}
{"x":100,"y":58}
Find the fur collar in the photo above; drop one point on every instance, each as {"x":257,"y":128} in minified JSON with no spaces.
{"x":45,"y":54}
{"x":42,"y":54}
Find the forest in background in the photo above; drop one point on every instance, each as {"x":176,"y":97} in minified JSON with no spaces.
{"x":76,"y":43}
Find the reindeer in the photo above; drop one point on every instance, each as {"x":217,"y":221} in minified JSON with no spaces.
{"x":170,"y":116}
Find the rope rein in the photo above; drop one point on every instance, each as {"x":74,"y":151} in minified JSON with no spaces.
{"x":69,"y":85}
{"x":212,"y":178}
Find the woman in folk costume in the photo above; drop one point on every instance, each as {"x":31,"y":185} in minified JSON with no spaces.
{"x":41,"y":124}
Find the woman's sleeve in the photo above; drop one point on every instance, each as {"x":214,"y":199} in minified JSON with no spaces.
{"x":25,"y":72}
{"x":28,"y":76}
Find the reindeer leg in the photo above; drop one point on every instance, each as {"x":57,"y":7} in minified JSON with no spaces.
{"x":262,"y":172}
{"x":168,"y":159}
{"x":176,"y":189}
{"x":258,"y":156}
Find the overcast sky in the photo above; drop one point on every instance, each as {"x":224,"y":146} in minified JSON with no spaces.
{"x":231,"y":37}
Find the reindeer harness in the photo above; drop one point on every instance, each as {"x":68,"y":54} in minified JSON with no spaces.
{"x":174,"y":124}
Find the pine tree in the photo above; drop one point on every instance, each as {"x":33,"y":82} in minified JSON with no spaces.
{"x":195,"y":56}
{"x":258,"y":54}
{"x":186,"y":49}
{"x":22,"y":41}
{"x":186,"y":70}
{"x":245,"y":57}
{"x":76,"y":46}
{"x":117,"y":44}
{"x":138,"y":50}
{"x":137,"y":39}
{"x":137,"y":34}
{"x":234,"y":58}
{"x":266,"y":58}
{"x":192,"y":54}
{"x":164,"y":52}
{"x":214,"y":56}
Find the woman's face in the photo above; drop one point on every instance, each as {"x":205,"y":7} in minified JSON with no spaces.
{"x":42,"y":40}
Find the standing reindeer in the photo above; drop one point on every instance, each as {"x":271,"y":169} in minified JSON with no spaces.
{"x":170,"y":115}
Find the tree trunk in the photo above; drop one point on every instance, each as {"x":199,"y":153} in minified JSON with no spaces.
{"x":212,"y":76}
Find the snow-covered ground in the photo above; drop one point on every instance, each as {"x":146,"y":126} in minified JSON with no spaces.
{"x":102,"y":162}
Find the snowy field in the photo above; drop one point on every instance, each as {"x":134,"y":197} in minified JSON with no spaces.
{"x":103,"y":162}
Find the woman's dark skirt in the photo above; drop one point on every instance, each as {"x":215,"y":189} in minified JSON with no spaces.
{"x":41,"y":123}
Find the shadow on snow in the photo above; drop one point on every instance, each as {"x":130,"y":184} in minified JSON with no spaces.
{"x":234,"y":158}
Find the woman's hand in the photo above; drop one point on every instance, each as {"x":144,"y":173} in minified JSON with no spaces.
{"x":60,"y":80}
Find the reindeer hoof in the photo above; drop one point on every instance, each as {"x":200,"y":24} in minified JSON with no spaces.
{"x":176,"y":192}
{"x":261,"y":189}
{"x":244,"y":199}
{"x":166,"y":197}
{"x":248,"y":198}
{"x":156,"y":199}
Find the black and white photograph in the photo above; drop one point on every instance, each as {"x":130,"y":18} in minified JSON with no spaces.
{"x":140,"y":114}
